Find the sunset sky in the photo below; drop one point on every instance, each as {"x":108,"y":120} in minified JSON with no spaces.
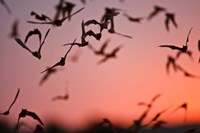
{"x":111,"y":89}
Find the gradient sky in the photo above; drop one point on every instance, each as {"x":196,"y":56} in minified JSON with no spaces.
{"x":112,"y":89}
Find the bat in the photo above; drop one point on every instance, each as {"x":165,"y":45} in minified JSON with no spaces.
{"x":8,"y":111}
{"x":25,"y":112}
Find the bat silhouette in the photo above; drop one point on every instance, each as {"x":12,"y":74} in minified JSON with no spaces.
{"x":25,"y":112}
{"x":57,"y":22}
{"x":112,"y":30}
{"x":133,"y":19}
{"x":8,"y":111}
{"x":83,"y":41}
{"x":170,"y":17}
{"x":61,"y":97}
{"x":6,"y":6}
{"x":59,"y":9}
{"x":183,"y":106}
{"x":171,"y":61}
{"x":109,"y":14}
{"x":103,"y":25}
{"x":37,"y":53}
{"x":48,"y":73}
{"x":91,"y":33}
{"x":62,"y":60}
{"x":155,"y":118}
{"x":15,"y":31}
{"x":110,"y":55}
{"x":31,"y":33}
{"x":101,"y":51}
{"x":149,"y":105}
{"x":182,"y":49}
{"x":157,"y":10}
{"x":68,"y":8}
{"x":41,"y":17}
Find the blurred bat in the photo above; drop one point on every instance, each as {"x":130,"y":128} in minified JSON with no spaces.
{"x":155,"y":118}
{"x":56,"y":22}
{"x":112,"y":30}
{"x":183,"y":49}
{"x":110,"y":55}
{"x":6,"y":6}
{"x":109,"y":14}
{"x":149,"y":105}
{"x":101,"y":51}
{"x":183,"y":106}
{"x":132,"y":19}
{"x":157,"y":10}
{"x":48,"y":73}
{"x":187,"y":74}
{"x":8,"y":111}
{"x":68,"y":8}
{"x":62,"y":60}
{"x":170,"y":17}
{"x":25,"y":112}
{"x":171,"y":61}
{"x":15,"y":31}
{"x":103,"y":25}
{"x":61,"y":97}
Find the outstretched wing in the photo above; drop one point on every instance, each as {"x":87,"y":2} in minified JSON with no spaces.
{"x":33,"y":32}
{"x":35,"y":116}
{"x":19,"y":41}
{"x":173,"y":47}
{"x":187,"y":40}
{"x":16,"y":96}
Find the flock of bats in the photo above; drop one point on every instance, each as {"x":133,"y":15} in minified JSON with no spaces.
{"x":64,"y":11}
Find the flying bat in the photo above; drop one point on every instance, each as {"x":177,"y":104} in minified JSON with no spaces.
{"x":110,"y":55}
{"x":62,"y":60}
{"x":157,"y":10}
{"x":48,"y":73}
{"x":170,"y":17}
{"x":61,"y":97}
{"x":101,"y":51}
{"x":41,"y":17}
{"x":25,"y":112}
{"x":15,"y":31}
{"x":57,"y":22}
{"x":182,"y":49}
{"x":149,"y":105}
{"x":133,"y":19}
{"x":33,"y":32}
{"x":8,"y":111}
{"x":182,"y":106}
{"x":37,"y":53}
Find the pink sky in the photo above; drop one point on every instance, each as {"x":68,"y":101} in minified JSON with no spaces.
{"x":114,"y":88}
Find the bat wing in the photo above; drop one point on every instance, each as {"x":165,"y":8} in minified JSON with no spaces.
{"x":35,"y":116}
{"x":14,"y":99}
{"x":19,"y":41}
{"x":173,"y":47}
{"x":34,"y":32}
{"x":187,"y":40}
{"x":93,"y":21}
{"x":199,"y":45}
{"x":32,"y":22}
